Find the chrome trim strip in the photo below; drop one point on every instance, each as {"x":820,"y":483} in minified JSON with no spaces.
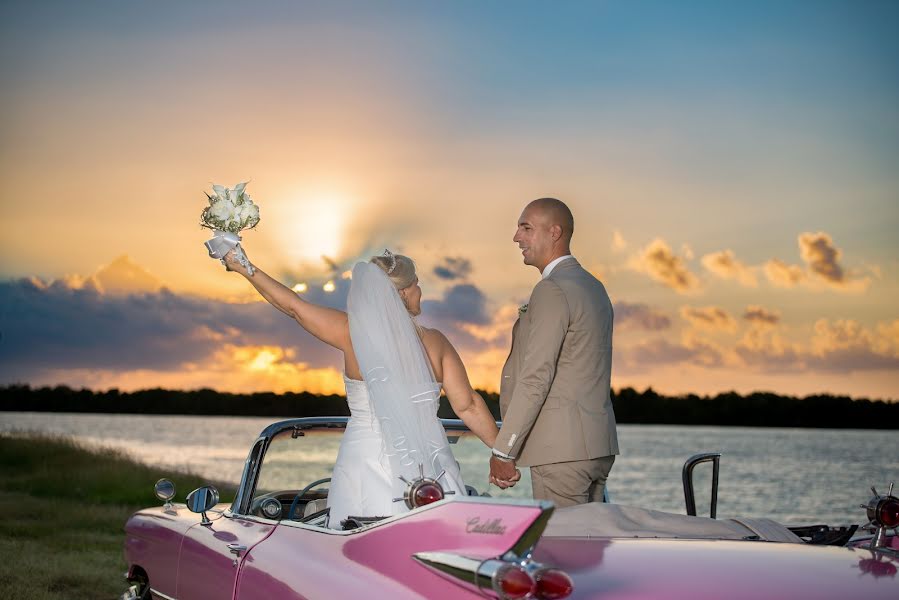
{"x":522,"y":549}
{"x":458,"y":569}
{"x":160,"y":595}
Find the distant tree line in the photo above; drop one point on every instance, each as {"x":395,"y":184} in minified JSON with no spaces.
{"x":759,"y":409}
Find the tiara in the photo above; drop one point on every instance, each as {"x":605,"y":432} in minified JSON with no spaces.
{"x":392,"y":258}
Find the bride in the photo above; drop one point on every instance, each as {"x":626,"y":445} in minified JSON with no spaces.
{"x":394,"y":370}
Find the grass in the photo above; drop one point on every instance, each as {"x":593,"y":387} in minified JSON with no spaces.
{"x":62,"y":511}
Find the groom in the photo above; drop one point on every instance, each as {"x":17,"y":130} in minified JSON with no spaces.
{"x":554,"y":396}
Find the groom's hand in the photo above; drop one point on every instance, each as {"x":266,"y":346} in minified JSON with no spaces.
{"x":503,"y":473}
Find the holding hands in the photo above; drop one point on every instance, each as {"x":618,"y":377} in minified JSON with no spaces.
{"x":503,"y":473}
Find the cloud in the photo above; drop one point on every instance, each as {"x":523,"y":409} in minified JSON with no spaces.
{"x":712,"y":318}
{"x":822,"y":266}
{"x":619,"y":244}
{"x":499,"y":330}
{"x":781,"y":274}
{"x":766,"y":349}
{"x":332,"y":264}
{"x":726,"y":266}
{"x":846,"y":345}
{"x":462,"y":303}
{"x":822,"y":257}
{"x":760,"y":316}
{"x":452,"y":268}
{"x":662,"y":352}
{"x":840,"y":346}
{"x":121,"y":277}
{"x":462,"y":315}
{"x":88,"y":331}
{"x":639,"y":316}
{"x":236,"y":369}
{"x":836,"y":347}
{"x":54,"y":327}
{"x":660,"y":263}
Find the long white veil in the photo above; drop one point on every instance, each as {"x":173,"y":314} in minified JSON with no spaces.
{"x":396,"y":370}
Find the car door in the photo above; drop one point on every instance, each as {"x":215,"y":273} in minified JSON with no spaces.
{"x":211,"y":555}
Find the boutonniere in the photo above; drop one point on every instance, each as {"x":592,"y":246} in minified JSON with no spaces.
{"x":522,"y":309}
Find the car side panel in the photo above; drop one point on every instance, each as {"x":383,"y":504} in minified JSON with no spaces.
{"x":152,"y":543}
{"x":206,"y":566}
{"x":297,"y":562}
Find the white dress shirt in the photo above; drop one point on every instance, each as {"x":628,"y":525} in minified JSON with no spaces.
{"x":552,"y":265}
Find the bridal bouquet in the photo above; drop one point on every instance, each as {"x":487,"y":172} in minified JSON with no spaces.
{"x":230,"y":211}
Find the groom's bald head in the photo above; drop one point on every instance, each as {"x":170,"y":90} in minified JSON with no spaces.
{"x":544,"y":232}
{"x":556,"y":212}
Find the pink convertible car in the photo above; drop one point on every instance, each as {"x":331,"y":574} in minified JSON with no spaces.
{"x":274,"y":542}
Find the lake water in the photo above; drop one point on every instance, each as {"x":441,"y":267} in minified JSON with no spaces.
{"x":795,"y":476}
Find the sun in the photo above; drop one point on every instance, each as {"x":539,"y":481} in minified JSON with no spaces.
{"x":312,"y":225}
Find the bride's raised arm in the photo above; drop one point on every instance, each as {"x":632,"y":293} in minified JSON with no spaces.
{"x":327,"y":324}
{"x":467,"y":403}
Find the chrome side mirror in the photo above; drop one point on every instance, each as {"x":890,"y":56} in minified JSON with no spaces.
{"x":165,"y":491}
{"x":202,"y":499}
{"x":687,"y":476}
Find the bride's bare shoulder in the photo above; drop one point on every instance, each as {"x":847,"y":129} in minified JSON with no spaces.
{"x":434,"y":339}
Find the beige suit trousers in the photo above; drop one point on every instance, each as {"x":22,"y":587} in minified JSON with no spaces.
{"x":571,"y":483}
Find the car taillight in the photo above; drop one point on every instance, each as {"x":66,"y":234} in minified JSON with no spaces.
{"x":552,"y":584}
{"x":426,"y":493}
{"x":888,"y":512}
{"x":512,"y":582}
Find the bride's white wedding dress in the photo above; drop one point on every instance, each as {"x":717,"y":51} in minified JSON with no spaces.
{"x":393,"y":434}
{"x":362,"y":484}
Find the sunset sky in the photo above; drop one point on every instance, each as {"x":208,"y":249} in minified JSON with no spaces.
{"x":733,"y":170}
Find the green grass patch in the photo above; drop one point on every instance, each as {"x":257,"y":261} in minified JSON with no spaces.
{"x":62,"y":511}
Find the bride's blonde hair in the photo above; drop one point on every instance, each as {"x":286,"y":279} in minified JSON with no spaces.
{"x":400,"y":269}
{"x":401,"y":273}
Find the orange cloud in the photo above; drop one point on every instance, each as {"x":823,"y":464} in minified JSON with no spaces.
{"x":633,"y":316}
{"x":274,"y":368}
{"x":711,"y":318}
{"x":124,"y":276}
{"x":236,"y":369}
{"x":761,"y":317}
{"x":822,"y":259}
{"x":498,"y":330}
{"x":484,"y":368}
{"x":726,"y":266}
{"x":660,"y":263}
{"x":619,"y":244}
{"x":781,"y":274}
{"x":766,"y":348}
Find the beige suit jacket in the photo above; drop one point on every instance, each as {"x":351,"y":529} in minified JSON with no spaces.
{"x":555,"y":393}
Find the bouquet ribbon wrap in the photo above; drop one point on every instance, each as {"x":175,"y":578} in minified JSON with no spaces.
{"x":223,"y":242}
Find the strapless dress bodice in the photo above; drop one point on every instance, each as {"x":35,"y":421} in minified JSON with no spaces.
{"x":358,"y":400}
